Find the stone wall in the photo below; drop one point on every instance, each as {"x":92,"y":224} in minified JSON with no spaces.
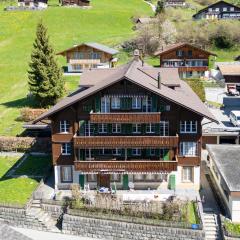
{"x":115,"y":230}
{"x":55,"y":211}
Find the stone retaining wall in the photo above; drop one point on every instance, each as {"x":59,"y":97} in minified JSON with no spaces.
{"x":54,"y":211}
{"x":98,"y":228}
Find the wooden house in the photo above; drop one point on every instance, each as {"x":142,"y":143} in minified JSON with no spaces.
{"x":175,"y":3}
{"x":190,"y":60}
{"x":129,"y":126}
{"x":81,"y":3}
{"x":89,"y":56}
{"x":33,"y":3}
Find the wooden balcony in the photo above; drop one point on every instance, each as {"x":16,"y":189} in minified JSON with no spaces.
{"x":126,"y":166}
{"x":143,"y":117}
{"x":84,"y":61}
{"x":95,"y":142}
{"x":189,"y":161}
{"x":193,"y":68}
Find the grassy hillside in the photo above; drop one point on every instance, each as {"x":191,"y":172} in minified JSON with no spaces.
{"x":108,"y":22}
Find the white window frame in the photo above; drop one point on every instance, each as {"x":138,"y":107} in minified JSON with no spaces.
{"x":187,"y":174}
{"x":67,"y":174}
{"x":115,"y":103}
{"x":64,"y":126}
{"x":136,"y":128}
{"x":136,"y":103}
{"x":66,"y":149}
{"x":232,"y":9}
{"x":188,"y":148}
{"x":105,"y":104}
{"x":224,"y":9}
{"x":150,"y":128}
{"x":102,"y":128}
{"x":116,"y":128}
{"x":164,"y":127}
{"x":136,"y":152}
{"x":117,"y":152}
{"x":188,"y":126}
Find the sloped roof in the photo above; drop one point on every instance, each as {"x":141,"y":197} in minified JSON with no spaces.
{"x":134,"y":72}
{"x":212,"y":5}
{"x":229,"y":69}
{"x":97,"y":46}
{"x":171,"y":47}
{"x":227,"y":160}
{"x":7,"y":233}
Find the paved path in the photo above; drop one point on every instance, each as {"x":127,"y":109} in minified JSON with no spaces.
{"x":151,"y":5}
{"x":39,"y":235}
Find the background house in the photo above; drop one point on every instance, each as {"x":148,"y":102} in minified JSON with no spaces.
{"x":33,"y":3}
{"x":219,"y":10}
{"x":175,"y":3}
{"x":191,"y":61}
{"x":88,"y":56}
{"x":224,"y":163}
{"x":81,"y":3}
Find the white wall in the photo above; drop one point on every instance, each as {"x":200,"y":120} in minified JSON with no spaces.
{"x":234,"y":207}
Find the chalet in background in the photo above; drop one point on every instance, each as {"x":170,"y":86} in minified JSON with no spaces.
{"x":134,"y":125}
{"x":175,"y":3}
{"x":88,"y":56}
{"x":219,"y":10}
{"x":224,"y":164}
{"x":33,"y":3}
{"x":81,"y":3}
{"x":191,"y":61}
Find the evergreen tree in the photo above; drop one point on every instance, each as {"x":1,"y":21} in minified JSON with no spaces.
{"x":46,"y":83}
{"x":159,"y":7}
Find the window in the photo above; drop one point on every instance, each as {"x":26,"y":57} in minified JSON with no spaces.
{"x":210,"y":9}
{"x":152,"y":152}
{"x":66,"y":173}
{"x":116,"y":128}
{"x":224,"y":9}
{"x":231,"y":8}
{"x":102,"y":128}
{"x":217,"y":9}
{"x":136,"y":152}
{"x":104,"y":151}
{"x":66,"y":149}
{"x":187,"y":174}
{"x":78,"y":55}
{"x":115,"y":178}
{"x":136,"y":103}
{"x":138,"y":177}
{"x":76,"y":67}
{"x":91,"y":177}
{"x":115,"y":103}
{"x":136,"y":128}
{"x":105,"y":104}
{"x":64,"y":126}
{"x":150,"y":128}
{"x":95,"y":55}
{"x":188,"y":148}
{"x":147,"y":104}
{"x":117,"y":152}
{"x":164,"y":128}
{"x":188,"y":126}
{"x":180,"y":53}
{"x":190,"y":53}
{"x":88,"y":154}
{"x":89,"y":128}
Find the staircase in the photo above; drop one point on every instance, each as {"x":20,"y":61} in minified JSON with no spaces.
{"x":211,"y":226}
{"x":40,"y":218}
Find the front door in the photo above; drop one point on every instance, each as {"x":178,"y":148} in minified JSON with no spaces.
{"x":104,"y":180}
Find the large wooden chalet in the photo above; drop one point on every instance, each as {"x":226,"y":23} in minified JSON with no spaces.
{"x":88,"y":56}
{"x":132,"y":124}
{"x":190,"y":60}
{"x":218,"y":10}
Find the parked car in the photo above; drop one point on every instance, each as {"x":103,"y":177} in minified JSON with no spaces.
{"x":232,"y":90}
{"x":235,"y":118}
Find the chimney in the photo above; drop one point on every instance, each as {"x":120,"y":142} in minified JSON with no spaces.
{"x":159,"y":81}
{"x":136,"y":55}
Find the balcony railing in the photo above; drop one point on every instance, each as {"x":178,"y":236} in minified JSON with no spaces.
{"x":126,"y":166}
{"x":95,"y":142}
{"x":146,"y":117}
{"x":84,"y":61}
{"x":189,"y":160}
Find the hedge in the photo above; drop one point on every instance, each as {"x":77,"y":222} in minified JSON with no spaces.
{"x":29,"y":114}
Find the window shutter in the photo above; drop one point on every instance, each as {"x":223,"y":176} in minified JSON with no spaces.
{"x":147,"y":152}
{"x":143,"y":128}
{"x":157,"y":128}
{"x":109,"y":128}
{"x":129,"y":152}
{"x":82,"y":127}
{"x":97,"y":104}
{"x":129,"y":103}
{"x":82,"y":154}
{"x":158,"y":152}
{"x":122,"y":100}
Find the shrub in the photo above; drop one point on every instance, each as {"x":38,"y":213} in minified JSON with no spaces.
{"x":29,"y":114}
{"x":197,"y":87}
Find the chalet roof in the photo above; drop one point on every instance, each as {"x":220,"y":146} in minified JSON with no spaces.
{"x":227,"y":161}
{"x":92,"y":77}
{"x":229,"y":69}
{"x":171,"y":47}
{"x":97,"y":46}
{"x":212,"y":5}
{"x":134,"y":72}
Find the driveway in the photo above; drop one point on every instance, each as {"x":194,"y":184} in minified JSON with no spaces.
{"x":215,"y":94}
{"x":39,"y":235}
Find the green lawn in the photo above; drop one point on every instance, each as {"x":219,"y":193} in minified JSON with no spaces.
{"x":108,"y":22}
{"x":18,"y":190}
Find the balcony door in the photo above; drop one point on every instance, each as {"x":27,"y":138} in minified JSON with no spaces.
{"x":103,"y":180}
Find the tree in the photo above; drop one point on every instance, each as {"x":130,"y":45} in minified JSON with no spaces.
{"x":159,"y":7}
{"x":46,"y":83}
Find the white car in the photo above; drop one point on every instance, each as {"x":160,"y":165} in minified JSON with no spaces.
{"x":235,"y":118}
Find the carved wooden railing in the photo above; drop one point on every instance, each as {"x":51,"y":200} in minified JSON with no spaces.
{"x":151,"y":117}
{"x":189,"y":160}
{"x":96,"y":142}
{"x":126,"y":166}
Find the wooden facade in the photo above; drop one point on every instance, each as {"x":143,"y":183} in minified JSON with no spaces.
{"x":81,"y":3}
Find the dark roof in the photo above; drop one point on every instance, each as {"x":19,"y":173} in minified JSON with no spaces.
{"x":212,"y":5}
{"x":97,"y":46}
{"x":92,"y":77}
{"x":7,"y":233}
{"x":134,"y":72}
{"x":171,"y":47}
{"x":227,"y":160}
